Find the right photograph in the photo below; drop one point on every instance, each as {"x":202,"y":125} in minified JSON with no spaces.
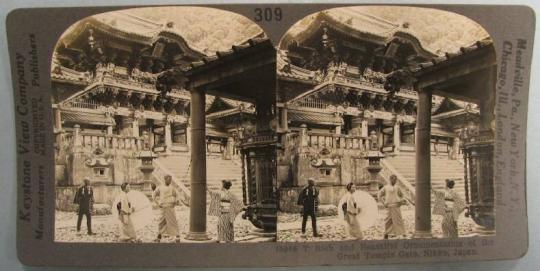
{"x":386,"y":120}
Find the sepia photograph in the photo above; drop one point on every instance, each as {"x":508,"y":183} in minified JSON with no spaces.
{"x":386,"y":126}
{"x":161,"y":132}
{"x":262,"y":135}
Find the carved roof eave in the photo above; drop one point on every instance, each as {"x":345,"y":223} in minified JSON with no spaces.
{"x":61,"y":74}
{"x":66,"y":80}
{"x":289,"y":77}
{"x":91,"y":87}
{"x":363,"y":88}
{"x":223,"y":56}
{"x":338,"y":26}
{"x":436,"y":63}
{"x":333,"y":24}
{"x":455,"y":113}
{"x":414,"y":41}
{"x":230,"y":112}
{"x":147,"y":40}
{"x":482,"y":48}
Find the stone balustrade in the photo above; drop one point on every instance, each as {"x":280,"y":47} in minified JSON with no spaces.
{"x":335,"y":141}
{"x":80,"y":139}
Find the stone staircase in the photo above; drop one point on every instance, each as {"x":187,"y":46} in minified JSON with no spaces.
{"x":217,"y":169}
{"x":442,"y":168}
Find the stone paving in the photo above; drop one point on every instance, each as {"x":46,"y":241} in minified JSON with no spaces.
{"x":105,"y":228}
{"x":332,"y":228}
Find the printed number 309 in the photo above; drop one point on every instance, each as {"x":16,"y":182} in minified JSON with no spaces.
{"x":268,"y":14}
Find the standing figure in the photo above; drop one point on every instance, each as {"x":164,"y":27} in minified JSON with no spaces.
{"x":308,"y":198}
{"x":392,"y":198}
{"x":166,"y":198}
{"x":225,"y":206}
{"x":126,"y":228}
{"x":448,"y":204}
{"x":351,"y":210}
{"x":85,"y":199}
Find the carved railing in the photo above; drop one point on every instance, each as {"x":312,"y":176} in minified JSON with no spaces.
{"x":260,"y":139}
{"x":333,"y":141}
{"x":213,"y":147}
{"x":159,"y":173}
{"x":141,"y":81}
{"x":406,"y":187}
{"x":312,"y":103}
{"x":362,"y":81}
{"x":82,"y":103}
{"x":94,"y":140}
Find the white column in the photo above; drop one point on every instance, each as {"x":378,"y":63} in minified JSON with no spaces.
{"x":188,"y":134}
{"x":455,"y":146}
{"x":397,"y":135}
{"x":77,"y":135}
{"x":168,"y":135}
{"x":135,"y":127}
{"x":303,"y":136}
{"x":365,"y":132}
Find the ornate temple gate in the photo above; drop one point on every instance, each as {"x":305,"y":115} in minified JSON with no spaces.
{"x":230,"y":75}
{"x":468,"y":75}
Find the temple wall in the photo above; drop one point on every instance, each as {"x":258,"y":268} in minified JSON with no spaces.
{"x":298,"y":165}
{"x":122,"y":167}
{"x":103,"y":195}
{"x":328,"y":195}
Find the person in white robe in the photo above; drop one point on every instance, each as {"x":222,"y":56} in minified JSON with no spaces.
{"x":351,"y":210}
{"x":126,"y":228}
{"x":391,"y":197}
{"x":166,"y":198}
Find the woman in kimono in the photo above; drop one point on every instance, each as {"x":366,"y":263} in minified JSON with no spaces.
{"x":351,"y":209}
{"x":225,"y":206}
{"x":448,"y":204}
{"x":126,"y":228}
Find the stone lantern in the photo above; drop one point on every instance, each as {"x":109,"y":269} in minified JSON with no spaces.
{"x":374,"y":168}
{"x":147,"y":163}
{"x":374,"y":156}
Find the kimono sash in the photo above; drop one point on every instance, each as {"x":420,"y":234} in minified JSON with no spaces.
{"x":214,"y":209}
{"x":439,"y":206}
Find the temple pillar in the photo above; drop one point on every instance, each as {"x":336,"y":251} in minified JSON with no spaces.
{"x":284,"y":122}
{"x":337,"y":131}
{"x":364,"y":132}
{"x":365,"y":128}
{"x":397,"y":135}
{"x":422,"y":206}
{"x":303,"y":136}
{"x":109,"y":140}
{"x":188,"y":134}
{"x":229,"y":151}
{"x":150,"y":130}
{"x":455,"y":148}
{"x":76,"y":135}
{"x":58,"y":125}
{"x":168,"y":135}
{"x":380,"y":135}
{"x":135,"y":126}
{"x":57,"y":119}
{"x":197,"y":202}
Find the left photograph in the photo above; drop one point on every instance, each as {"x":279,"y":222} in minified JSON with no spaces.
{"x":162,"y":135}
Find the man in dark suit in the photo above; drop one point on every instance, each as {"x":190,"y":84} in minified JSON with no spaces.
{"x":308,"y":198}
{"x":85,"y":199}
